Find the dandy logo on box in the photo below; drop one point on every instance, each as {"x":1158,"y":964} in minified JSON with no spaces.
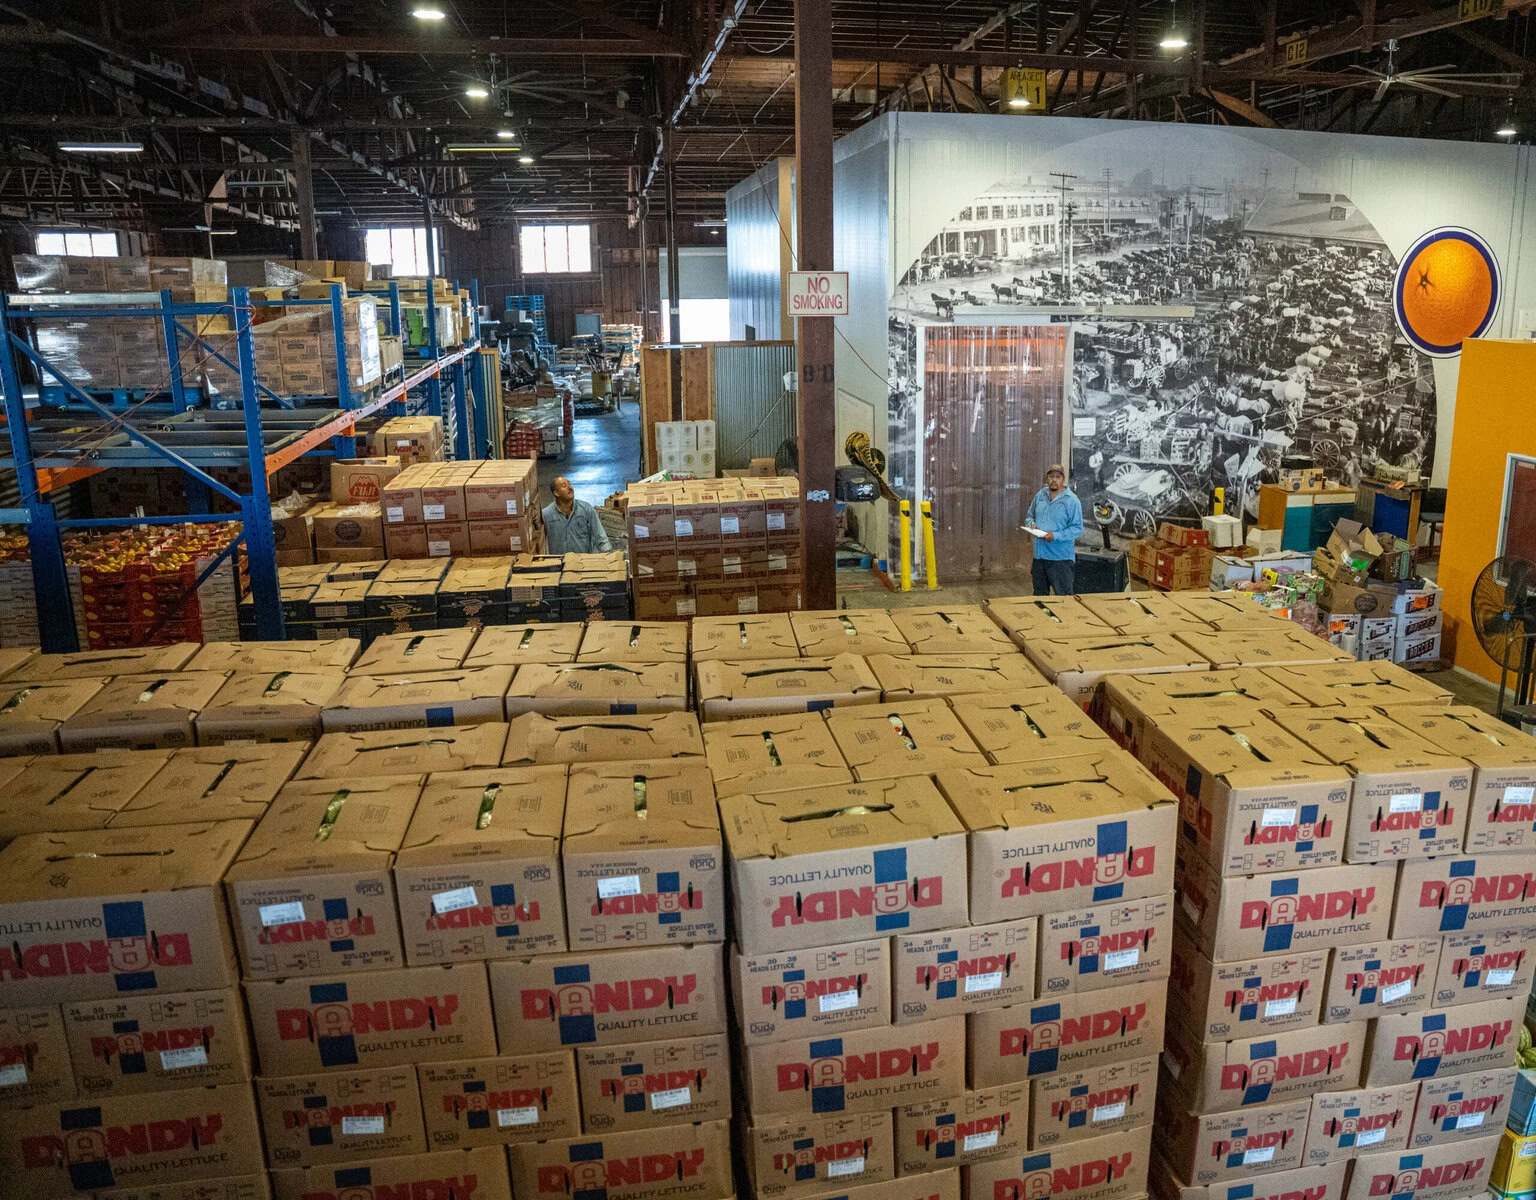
{"x":1466,"y":888}
{"x":949,"y":1136}
{"x":667,"y":903}
{"x":1250,"y":1191}
{"x":1048,"y":1034}
{"x":322,"y":1119}
{"x":1087,"y":952}
{"x":1369,"y":982}
{"x":1038,"y":1178}
{"x":634,"y":1083}
{"x":800,"y":1162}
{"x":1233,"y":1151}
{"x":477,"y":1102}
{"x":1245,"y":1000}
{"x":504,"y":916}
{"x":338,"y":925}
{"x":1448,"y":1117}
{"x":828,"y":1072}
{"x":1083,"y":1101}
{"x":888,"y":899}
{"x":1105,"y":871}
{"x":589,"y":1173}
{"x":1437,"y":1037}
{"x":1480,"y":963}
{"x":128,"y":950}
{"x":1411,"y":1175}
{"x":334,"y":1024}
{"x":789,"y":997}
{"x":130,"y":1047}
{"x":1346,"y":1129}
{"x":943,"y":976}
{"x":94,"y":1153}
{"x":1266,"y":1068}
{"x":575,"y":1002}
{"x":356,"y":1183}
{"x":1289,"y":909}
{"x":1427,"y":819}
{"x":1306,"y":831}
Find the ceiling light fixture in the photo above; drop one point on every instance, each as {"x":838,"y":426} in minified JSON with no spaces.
{"x":102,"y":147}
{"x":1174,"y":39}
{"x":1018,"y":102}
{"x":428,"y":14}
{"x":526,"y":160}
{"x":476,"y":92}
{"x":483,"y":148}
{"x":1506,"y":130}
{"x":505,"y":133}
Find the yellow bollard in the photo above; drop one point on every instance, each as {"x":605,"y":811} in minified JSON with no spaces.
{"x":1218,"y":502}
{"x":930,"y":560}
{"x":906,"y":545}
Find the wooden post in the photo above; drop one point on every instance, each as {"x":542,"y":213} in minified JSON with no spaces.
{"x":304,"y":193}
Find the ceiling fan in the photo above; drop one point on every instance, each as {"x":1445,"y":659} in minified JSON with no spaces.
{"x":1438,"y":79}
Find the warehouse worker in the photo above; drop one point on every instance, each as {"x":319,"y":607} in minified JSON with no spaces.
{"x":572,"y":525}
{"x":1056,"y":518}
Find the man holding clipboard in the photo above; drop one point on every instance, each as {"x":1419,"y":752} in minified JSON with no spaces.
{"x":1055,"y":521}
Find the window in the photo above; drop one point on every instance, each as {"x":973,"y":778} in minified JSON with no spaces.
{"x":83,"y":245}
{"x":556,"y":249}
{"x":997,"y":212}
{"x":405,"y":250}
{"x":965,"y":214}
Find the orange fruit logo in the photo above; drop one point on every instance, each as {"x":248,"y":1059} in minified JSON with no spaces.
{"x":1447,"y":290}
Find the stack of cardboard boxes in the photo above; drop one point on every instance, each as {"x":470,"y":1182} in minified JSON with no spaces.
{"x":410,"y":439}
{"x":440,"y":510}
{"x":1177,"y":560}
{"x":1374,"y":605}
{"x":685,"y":448}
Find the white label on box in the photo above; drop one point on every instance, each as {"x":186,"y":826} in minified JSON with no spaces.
{"x":1274,"y":817}
{"x":176,"y":1060}
{"x":1280,"y":1008}
{"x":1109,"y":1112}
{"x":746,"y":604}
{"x":671,"y":1098}
{"x":402,"y":443}
{"x":393,"y":515}
{"x":440,"y":549}
{"x":988,"y":982}
{"x":1118,"y":960}
{"x":282,"y":914}
{"x":730,"y":565}
{"x":511,"y":508}
{"x":517,"y":1116}
{"x":838,"y":1001}
{"x":1394,"y":992}
{"x":1370,"y":1137}
{"x":683,"y":527}
{"x":619,"y":885}
{"x":687,"y":566}
{"x":434,"y":512}
{"x":686,"y":608}
{"x":1526,"y":1150}
{"x":1502,"y":977}
{"x":447,"y":902}
{"x":1259,"y":1154}
{"x":1406,"y":802}
{"x":642,"y":531}
{"x":1174,"y":1068}
{"x":978,"y":1141}
{"x":775,"y":520}
{"x":1519,"y":795}
{"x":839,"y":1167}
{"x":352,"y":1125}
{"x":730,"y":524}
{"x":12,"y":1075}
{"x":1470,"y":1120}
{"x":1190,"y":907}
{"x":778,"y":562}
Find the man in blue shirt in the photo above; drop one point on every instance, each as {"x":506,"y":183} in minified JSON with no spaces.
{"x":1057,"y":515}
{"x":573,"y":526}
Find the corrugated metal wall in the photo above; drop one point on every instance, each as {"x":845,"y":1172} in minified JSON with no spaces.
{"x":753,"y":411}
{"x":754,"y":240}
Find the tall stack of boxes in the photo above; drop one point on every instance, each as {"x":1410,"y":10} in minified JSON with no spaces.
{"x":455,"y":510}
{"x":685,"y":448}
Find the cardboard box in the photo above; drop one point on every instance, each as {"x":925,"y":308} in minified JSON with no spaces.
{"x":961,"y":1130}
{"x":664,"y":600}
{"x":609,"y":997}
{"x":934,"y":676}
{"x":31,"y":713}
{"x":932,"y":1185}
{"x":1047,"y":836}
{"x":1104,"y":1168}
{"x":756,"y":755}
{"x":1079,"y":665}
{"x":412,"y":653}
{"x":950,"y":629}
{"x":751,"y":688}
{"x":635,"y":1165}
{"x":1514,"y":1172}
{"x":824,"y":990}
{"x":1074,"y":1105}
{"x":803,"y":876}
{"x":141,"y":712}
{"x":1281,"y":642}
{"x":641,"y":854}
{"x":54,"y":793}
{"x":1105,"y":945}
{"x":635,"y":642}
{"x":347,"y":526}
{"x":272,"y":657}
{"x":1027,"y":726}
{"x":864,"y":632}
{"x":1437,"y":1173}
{"x":1410,"y":801}
{"x":1346,"y":1124}
{"x":481,"y":1173}
{"x":477,"y":874}
{"x":918,"y":737}
{"x":1229,"y":611}
{"x":1380,"y":978}
{"x":34,"y":1057}
{"x":441,"y":539}
{"x":1213,"y":1077}
{"x":341,"y":1116}
{"x":1444,"y":1041}
{"x":1312,"y":1183}
{"x":536,"y":739}
{"x":957,"y":971}
{"x":813,"y":1155}
{"x":1461,"y":1108}
{"x":79,"y":909}
{"x":653,"y":1084}
{"x":341,"y":756}
{"x":493,"y":1101}
{"x":1483,"y":966}
{"x":1252,"y":798}
{"x":1453,"y":894}
{"x":1360,"y":685}
{"x":421,"y":700}
{"x":362,"y":480}
{"x":1067,"y":1033}
{"x":1501,"y":815}
{"x":161,"y":1138}
{"x":500,"y":489}
{"x":371,"y":1018}
{"x":1025,"y":617}
{"x":1248,"y":916}
{"x":863,"y":1070}
{"x":213,"y":783}
{"x":268,"y":706}
{"x":1141,"y":612}
{"x":96,"y":664}
{"x":1215,"y":1147}
{"x":135,"y":1044}
{"x":598,"y":689}
{"x":1245,"y":998}
{"x":521,"y":644}
{"x":755,"y":637}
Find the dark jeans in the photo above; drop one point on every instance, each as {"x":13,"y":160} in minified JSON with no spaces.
{"x":1053,"y":575}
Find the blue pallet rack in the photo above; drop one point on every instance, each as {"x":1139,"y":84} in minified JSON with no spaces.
{"x":534,"y":307}
{"x":329,"y":435}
